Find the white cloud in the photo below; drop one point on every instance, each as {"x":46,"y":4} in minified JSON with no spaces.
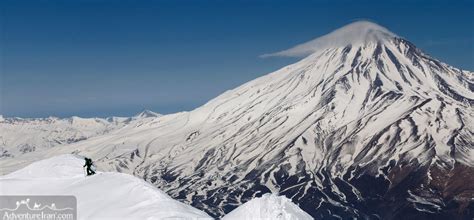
{"x":354,"y":33}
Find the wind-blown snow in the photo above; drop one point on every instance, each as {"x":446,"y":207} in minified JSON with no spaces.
{"x":105,"y":195}
{"x":360,"y":32}
{"x":269,"y":206}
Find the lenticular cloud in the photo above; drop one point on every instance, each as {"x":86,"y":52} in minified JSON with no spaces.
{"x":355,"y":33}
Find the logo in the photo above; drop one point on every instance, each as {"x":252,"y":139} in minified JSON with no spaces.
{"x":38,"y":208}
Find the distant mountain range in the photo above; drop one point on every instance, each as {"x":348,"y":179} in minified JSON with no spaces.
{"x":23,"y":135}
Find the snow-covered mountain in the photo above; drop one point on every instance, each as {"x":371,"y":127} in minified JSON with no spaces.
{"x":366,"y":126}
{"x":24,"y":135}
{"x":146,"y":114}
{"x":102,"y":196}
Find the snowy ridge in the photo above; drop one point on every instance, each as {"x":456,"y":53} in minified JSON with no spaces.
{"x":346,"y":132}
{"x":102,"y":196}
{"x":120,"y":194}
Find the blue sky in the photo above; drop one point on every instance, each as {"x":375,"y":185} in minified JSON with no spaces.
{"x":101,"y":58}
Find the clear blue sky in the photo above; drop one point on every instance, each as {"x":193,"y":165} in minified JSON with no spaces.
{"x":105,"y":57}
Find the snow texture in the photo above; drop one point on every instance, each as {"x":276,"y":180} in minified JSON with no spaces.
{"x":106,"y":195}
{"x":268,"y":206}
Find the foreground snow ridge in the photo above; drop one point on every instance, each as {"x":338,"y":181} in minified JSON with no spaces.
{"x":106,"y":195}
{"x":269,"y":206}
{"x":110,"y":195}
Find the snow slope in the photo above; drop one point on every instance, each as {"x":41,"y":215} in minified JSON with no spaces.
{"x":105,"y":195}
{"x":368,"y":126}
{"x":268,"y":206}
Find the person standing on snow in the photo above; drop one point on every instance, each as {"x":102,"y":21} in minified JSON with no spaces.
{"x":89,"y":166}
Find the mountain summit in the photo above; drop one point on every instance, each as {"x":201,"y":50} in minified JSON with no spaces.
{"x":367,"y":126}
{"x":147,"y":114}
{"x":356,"y":33}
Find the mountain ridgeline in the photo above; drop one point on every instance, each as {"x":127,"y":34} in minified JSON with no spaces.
{"x":366,"y":126}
